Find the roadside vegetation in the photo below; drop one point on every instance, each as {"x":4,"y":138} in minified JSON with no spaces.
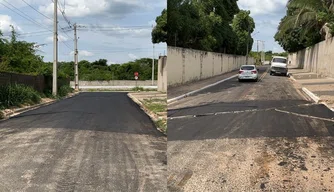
{"x":306,"y":23}
{"x":159,"y":107}
{"x":17,"y":94}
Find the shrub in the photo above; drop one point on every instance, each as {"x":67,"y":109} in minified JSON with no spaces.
{"x":65,"y":90}
{"x":18,"y":94}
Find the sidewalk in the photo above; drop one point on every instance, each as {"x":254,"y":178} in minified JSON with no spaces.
{"x":188,"y":87}
{"x":322,"y":88}
{"x":155,"y":106}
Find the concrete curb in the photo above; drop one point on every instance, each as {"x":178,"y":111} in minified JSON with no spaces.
{"x":315,"y":98}
{"x":147,"y":111}
{"x":291,"y":77}
{"x":18,"y":111}
{"x":198,"y":90}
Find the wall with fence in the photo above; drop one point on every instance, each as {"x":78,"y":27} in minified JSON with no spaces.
{"x":186,"y":65}
{"x":318,"y":58}
{"x":38,"y":82}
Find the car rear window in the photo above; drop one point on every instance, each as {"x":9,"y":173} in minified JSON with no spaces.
{"x":247,"y":68}
{"x":279,"y":60}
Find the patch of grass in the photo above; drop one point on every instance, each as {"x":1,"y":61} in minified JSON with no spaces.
{"x":142,"y":89}
{"x":162,"y":124}
{"x":156,"y":107}
{"x":17,"y":94}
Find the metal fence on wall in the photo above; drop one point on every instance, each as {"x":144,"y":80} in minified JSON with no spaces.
{"x":39,"y":82}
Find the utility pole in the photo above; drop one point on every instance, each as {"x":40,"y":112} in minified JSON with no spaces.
{"x":153,"y":66}
{"x":153,"y":62}
{"x":257,"y":45}
{"x":55,"y":49}
{"x":76,"y":58}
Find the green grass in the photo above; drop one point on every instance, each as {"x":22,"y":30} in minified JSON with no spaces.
{"x":16,"y":95}
{"x":65,"y":90}
{"x":142,"y":89}
{"x":156,"y":107}
{"x":162,"y":124}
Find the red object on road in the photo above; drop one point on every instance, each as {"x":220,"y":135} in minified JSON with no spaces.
{"x":136,"y":74}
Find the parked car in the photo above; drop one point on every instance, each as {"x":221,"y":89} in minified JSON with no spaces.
{"x":248,"y":72}
{"x":279,"y":65}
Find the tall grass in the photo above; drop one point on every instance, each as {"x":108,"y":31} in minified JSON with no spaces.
{"x":17,"y":94}
{"x":65,"y":90}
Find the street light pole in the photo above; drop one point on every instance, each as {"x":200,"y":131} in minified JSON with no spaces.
{"x":76,"y":58}
{"x":55,"y":49}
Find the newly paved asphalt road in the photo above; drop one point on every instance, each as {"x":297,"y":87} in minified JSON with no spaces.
{"x":91,"y":142}
{"x":250,"y":136}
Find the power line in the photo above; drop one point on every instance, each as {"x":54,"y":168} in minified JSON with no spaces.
{"x":63,"y":14}
{"x":28,"y":17}
{"x":37,"y":10}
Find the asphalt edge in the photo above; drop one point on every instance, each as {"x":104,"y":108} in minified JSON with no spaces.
{"x":19,"y":111}
{"x":198,"y":90}
{"x":147,"y":111}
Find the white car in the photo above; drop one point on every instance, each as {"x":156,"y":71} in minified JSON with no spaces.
{"x":279,"y":65}
{"x":248,"y":72}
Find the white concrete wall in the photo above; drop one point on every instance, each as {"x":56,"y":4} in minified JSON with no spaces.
{"x":162,"y":74}
{"x":318,"y":58}
{"x":186,"y":65}
{"x":115,"y":83}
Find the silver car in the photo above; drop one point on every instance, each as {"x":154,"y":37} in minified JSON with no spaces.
{"x":248,"y":72}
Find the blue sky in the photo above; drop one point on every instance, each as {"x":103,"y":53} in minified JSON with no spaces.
{"x":126,"y":26}
{"x":267,"y":15}
{"x":116,"y":30}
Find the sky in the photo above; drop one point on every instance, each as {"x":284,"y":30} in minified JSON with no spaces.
{"x":267,"y":15}
{"x":116,"y":30}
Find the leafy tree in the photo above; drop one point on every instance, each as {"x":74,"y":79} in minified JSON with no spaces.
{"x":203,"y":25}
{"x":303,"y":23}
{"x":243,"y":25}
{"x":159,"y":33}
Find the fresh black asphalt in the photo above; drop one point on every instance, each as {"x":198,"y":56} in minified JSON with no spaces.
{"x":91,"y":142}
{"x":234,"y":115}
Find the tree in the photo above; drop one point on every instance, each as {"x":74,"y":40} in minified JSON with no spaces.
{"x":203,"y":25}
{"x":304,"y":23}
{"x":159,"y":32}
{"x":243,"y":25}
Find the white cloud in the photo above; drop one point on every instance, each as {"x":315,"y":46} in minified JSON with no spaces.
{"x":132,"y":56}
{"x":81,"y":8}
{"x":61,"y":38}
{"x":262,"y":7}
{"x":111,"y":63}
{"x":83,"y":53}
{"x":5,"y":22}
{"x":117,"y":31}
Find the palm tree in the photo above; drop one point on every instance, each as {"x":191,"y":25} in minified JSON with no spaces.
{"x":309,"y":15}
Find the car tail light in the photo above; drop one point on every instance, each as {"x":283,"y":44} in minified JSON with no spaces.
{"x":240,"y":72}
{"x":254,"y":72}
